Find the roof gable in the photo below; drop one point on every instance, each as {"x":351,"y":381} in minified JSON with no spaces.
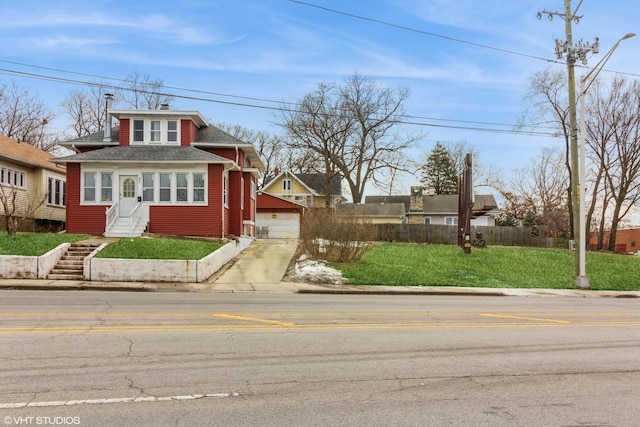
{"x":314,"y":182}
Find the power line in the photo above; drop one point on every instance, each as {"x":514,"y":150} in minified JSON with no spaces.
{"x":453,"y":39}
{"x":125,"y":82}
{"x":414,"y":30}
{"x":281,"y":106}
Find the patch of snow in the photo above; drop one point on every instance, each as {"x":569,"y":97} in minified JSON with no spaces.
{"x":311,"y":271}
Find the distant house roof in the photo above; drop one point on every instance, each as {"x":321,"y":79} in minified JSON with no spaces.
{"x":26,"y":154}
{"x":439,"y":203}
{"x":145,"y":153}
{"x":314,"y":182}
{"x":371,"y":209}
{"x":269,"y":202}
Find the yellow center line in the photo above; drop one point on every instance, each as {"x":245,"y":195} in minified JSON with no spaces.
{"x":253,"y":319}
{"x":503,"y":316}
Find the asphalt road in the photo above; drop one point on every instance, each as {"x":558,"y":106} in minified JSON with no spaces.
{"x":151,"y":359}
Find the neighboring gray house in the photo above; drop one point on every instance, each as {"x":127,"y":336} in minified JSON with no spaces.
{"x":376,"y":213}
{"x":438,"y":209}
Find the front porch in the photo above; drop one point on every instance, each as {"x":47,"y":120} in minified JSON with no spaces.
{"x":122,"y":221}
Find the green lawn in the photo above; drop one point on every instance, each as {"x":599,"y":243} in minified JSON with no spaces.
{"x":35,"y":244}
{"x":496,"y":267}
{"x":158,"y":248}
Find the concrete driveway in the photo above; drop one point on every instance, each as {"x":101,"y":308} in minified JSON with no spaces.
{"x":265,"y":261}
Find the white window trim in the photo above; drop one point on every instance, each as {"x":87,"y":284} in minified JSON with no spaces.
{"x":225,"y":189}
{"x":51,"y":194}
{"x":454,"y":220}
{"x":98,"y":187}
{"x":164,"y":132}
{"x":13,"y":178}
{"x":174,"y":188}
{"x":286,"y":185}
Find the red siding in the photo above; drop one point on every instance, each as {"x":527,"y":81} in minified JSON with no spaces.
{"x":184,"y":220}
{"x":227,"y":153}
{"x":82,"y":219}
{"x":125,"y":126}
{"x":188,"y":132}
{"x":235,"y":212}
{"x":249,"y":203}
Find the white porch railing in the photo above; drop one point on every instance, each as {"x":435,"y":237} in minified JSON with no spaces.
{"x":135,"y":217}
{"x":112,"y":215}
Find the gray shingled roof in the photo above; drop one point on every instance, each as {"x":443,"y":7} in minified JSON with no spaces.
{"x":145,"y":153}
{"x":370,"y":209}
{"x":439,"y":204}
{"x":212,"y":134}
{"x":97,"y":137}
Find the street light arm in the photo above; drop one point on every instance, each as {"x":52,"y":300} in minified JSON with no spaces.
{"x":598,"y":67}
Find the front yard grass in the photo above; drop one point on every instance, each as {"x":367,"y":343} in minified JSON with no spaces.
{"x":494,"y":267}
{"x":158,"y":248}
{"x":35,"y":244}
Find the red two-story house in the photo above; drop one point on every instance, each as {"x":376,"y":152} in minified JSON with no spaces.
{"x":163,"y":171}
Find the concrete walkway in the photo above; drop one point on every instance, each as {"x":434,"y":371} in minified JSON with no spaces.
{"x":264,"y":262}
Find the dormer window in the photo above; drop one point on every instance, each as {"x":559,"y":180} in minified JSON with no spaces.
{"x":155,"y":131}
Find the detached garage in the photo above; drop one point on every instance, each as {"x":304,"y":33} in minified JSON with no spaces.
{"x":277,"y":218}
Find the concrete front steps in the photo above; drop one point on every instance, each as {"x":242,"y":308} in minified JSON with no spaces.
{"x":122,"y":228}
{"x":71,"y":265}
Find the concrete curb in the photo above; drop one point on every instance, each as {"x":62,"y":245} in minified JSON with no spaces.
{"x":302,"y":288}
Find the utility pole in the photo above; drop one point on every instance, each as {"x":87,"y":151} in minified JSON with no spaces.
{"x":573,"y":52}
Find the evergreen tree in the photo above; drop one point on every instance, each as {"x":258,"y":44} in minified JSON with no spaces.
{"x":439,"y":172}
{"x":529,"y":221}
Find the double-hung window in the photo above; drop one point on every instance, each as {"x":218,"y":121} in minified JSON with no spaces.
{"x":165,"y":187}
{"x":182,"y":187}
{"x":156,"y":132}
{"x":172,"y":131}
{"x":56,"y":192}
{"x":138,"y":131}
{"x":147,"y":187}
{"x":89,"y":186}
{"x":198,"y":187}
{"x":106,"y":185}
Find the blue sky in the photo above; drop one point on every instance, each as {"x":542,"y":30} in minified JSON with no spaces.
{"x":261,"y":52}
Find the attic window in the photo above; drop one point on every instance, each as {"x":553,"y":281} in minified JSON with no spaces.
{"x":286,"y":185}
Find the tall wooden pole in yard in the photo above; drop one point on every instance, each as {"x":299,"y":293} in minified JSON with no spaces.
{"x":465,"y":203}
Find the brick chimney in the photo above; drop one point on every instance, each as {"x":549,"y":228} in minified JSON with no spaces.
{"x":416,"y":201}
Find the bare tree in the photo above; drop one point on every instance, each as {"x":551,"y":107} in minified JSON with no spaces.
{"x":614,"y":139}
{"x":271,"y":148}
{"x":483,"y":175}
{"x":86,"y":109}
{"x":144,"y":93}
{"x":549,"y":106}
{"x":24,"y":117}
{"x":16,"y":208}
{"x":352,"y":129}
{"x":540,"y":188}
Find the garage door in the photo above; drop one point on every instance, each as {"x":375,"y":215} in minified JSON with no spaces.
{"x":281,"y":225}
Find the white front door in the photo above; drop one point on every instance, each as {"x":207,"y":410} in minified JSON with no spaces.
{"x":128,"y":194}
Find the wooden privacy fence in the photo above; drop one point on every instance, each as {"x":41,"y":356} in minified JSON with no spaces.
{"x":448,"y":235}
